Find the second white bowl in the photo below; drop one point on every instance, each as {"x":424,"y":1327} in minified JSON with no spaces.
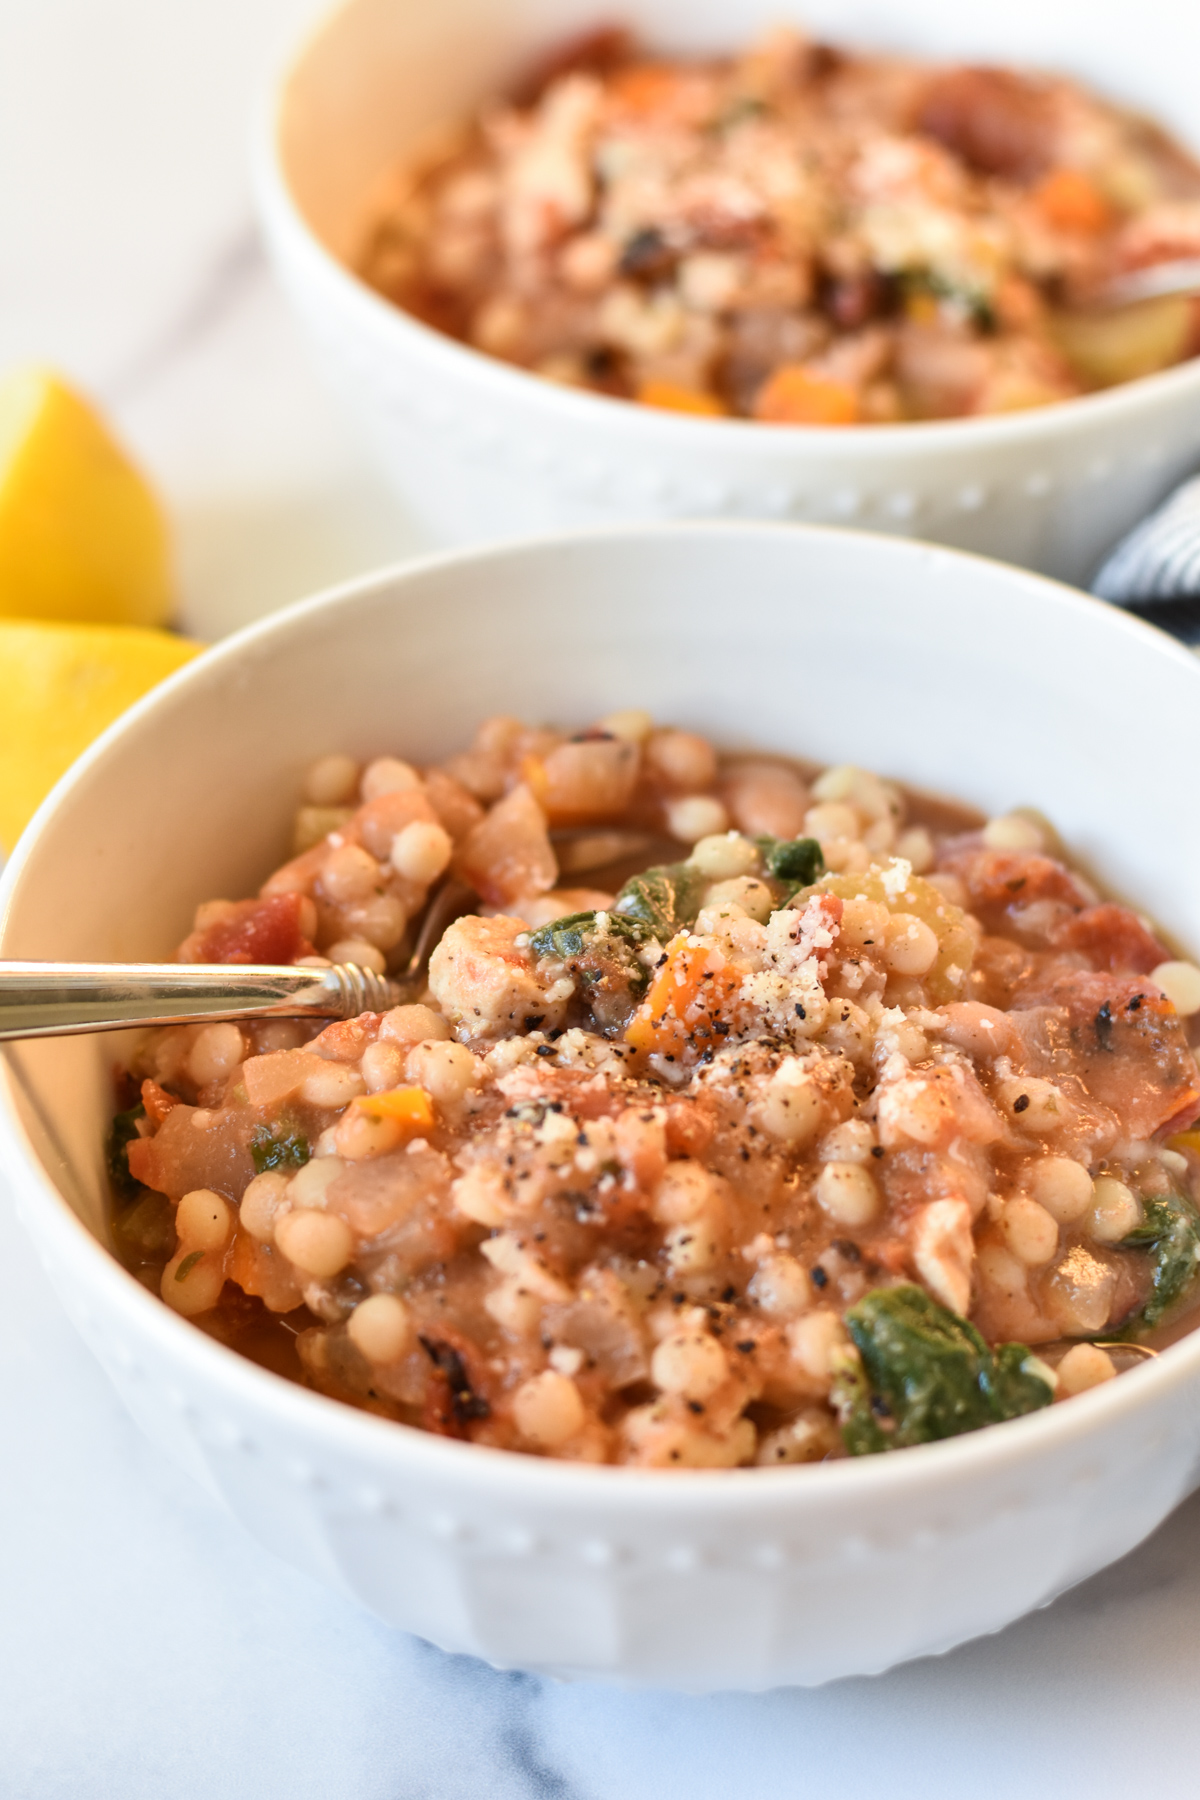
{"x":485,"y":450}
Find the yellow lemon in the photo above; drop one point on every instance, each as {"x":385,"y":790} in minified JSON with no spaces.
{"x":60,"y":685}
{"x":81,"y":534}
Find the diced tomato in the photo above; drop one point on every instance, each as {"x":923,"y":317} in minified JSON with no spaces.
{"x":157,"y":1101}
{"x":1113,"y":938}
{"x":509,"y":853}
{"x":1004,"y":878}
{"x":252,"y":931}
{"x":1124,"y":1041}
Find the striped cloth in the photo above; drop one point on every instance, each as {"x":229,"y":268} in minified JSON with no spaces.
{"x":1155,"y":571}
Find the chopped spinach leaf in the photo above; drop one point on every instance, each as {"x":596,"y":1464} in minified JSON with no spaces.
{"x":1170,"y":1231}
{"x":924,"y":1373}
{"x":147,"y":1227}
{"x":121,"y":1134}
{"x":284,"y":1148}
{"x":796,"y":862}
{"x":579,"y":932}
{"x":600,"y":950}
{"x":188,"y":1264}
{"x":665,"y":898}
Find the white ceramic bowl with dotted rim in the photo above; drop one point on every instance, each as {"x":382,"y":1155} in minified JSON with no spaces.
{"x":485,"y":450}
{"x":941,"y":669}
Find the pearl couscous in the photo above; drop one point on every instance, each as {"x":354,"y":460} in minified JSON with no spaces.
{"x":755,"y":1114}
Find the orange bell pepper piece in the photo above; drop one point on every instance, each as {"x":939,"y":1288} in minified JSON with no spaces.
{"x":1067,"y":199}
{"x":668,"y":396}
{"x":410,"y":1106}
{"x":685,"y":1002}
{"x":796,"y":395}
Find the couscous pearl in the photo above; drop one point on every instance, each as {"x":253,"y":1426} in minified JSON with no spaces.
{"x":864,"y":924}
{"x":380,"y":921}
{"x":348,"y":874}
{"x":691,"y":1249}
{"x":1084,"y":1366}
{"x":308,"y":1185}
{"x":216,"y":1051}
{"x":685,"y":1191}
{"x":723,"y":856}
{"x":910,"y":946}
{"x":421,"y":851}
{"x":847,"y":1193}
{"x":791,"y":1109}
{"x":814,"y":1340}
{"x":204,"y":1220}
{"x":631,"y":726}
{"x":387,"y":775}
{"x":331,"y":781}
{"x":833,"y":820}
{"x":1011,"y":832}
{"x":317,"y":1243}
{"x":694,"y":817}
{"x":1115,"y":1211}
{"x":781,"y":1285}
{"x":1029,"y":1231}
{"x":682,"y":761}
{"x":413,"y":1025}
{"x":445,"y":1071}
{"x":381,"y":1328}
{"x":690,"y":1363}
{"x":1063,"y":1186}
{"x":548,"y":1409}
{"x":1180,"y":982}
{"x":358,"y":1136}
{"x":382,"y":1067}
{"x":916,"y":847}
{"x":357,"y":950}
{"x":260,"y":1203}
{"x":754,"y":897}
{"x":335,"y":1084}
{"x":192,"y":1287}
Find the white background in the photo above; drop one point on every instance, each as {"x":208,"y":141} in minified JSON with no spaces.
{"x":147,"y":1647}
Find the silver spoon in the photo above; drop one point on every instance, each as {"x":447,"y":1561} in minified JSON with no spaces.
{"x":57,"y":999}
{"x":1157,"y":282}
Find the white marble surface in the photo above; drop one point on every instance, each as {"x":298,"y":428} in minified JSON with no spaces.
{"x":147,"y":1647}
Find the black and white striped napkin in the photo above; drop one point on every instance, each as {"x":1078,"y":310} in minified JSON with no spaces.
{"x":1155,"y":570}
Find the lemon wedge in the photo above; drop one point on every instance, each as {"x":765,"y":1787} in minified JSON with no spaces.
{"x":82,"y":536}
{"x":60,"y":685}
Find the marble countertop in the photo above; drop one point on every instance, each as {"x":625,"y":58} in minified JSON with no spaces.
{"x":147,"y":1646}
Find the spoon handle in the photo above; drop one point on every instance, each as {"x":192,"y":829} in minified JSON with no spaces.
{"x":54,"y":999}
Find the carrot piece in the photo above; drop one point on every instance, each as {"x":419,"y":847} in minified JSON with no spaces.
{"x":157,"y":1102}
{"x":668,"y":396}
{"x":1067,"y":199}
{"x":649,"y":88}
{"x":796,"y":395}
{"x":684,"y":1003}
{"x":410,"y":1106}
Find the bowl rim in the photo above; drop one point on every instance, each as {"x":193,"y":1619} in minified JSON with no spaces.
{"x":387,"y":1442}
{"x":282,"y":213}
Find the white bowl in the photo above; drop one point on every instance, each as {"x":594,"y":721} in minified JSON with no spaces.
{"x":946,"y":671}
{"x":486,"y":450}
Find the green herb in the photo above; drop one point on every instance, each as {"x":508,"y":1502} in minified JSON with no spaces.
{"x":665,"y":898}
{"x":285,"y":1148}
{"x":600,"y":949}
{"x":577,"y":933}
{"x":121,"y":1134}
{"x":923,"y":1373}
{"x":1171,"y":1232}
{"x":188,"y":1264}
{"x":796,"y":862}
